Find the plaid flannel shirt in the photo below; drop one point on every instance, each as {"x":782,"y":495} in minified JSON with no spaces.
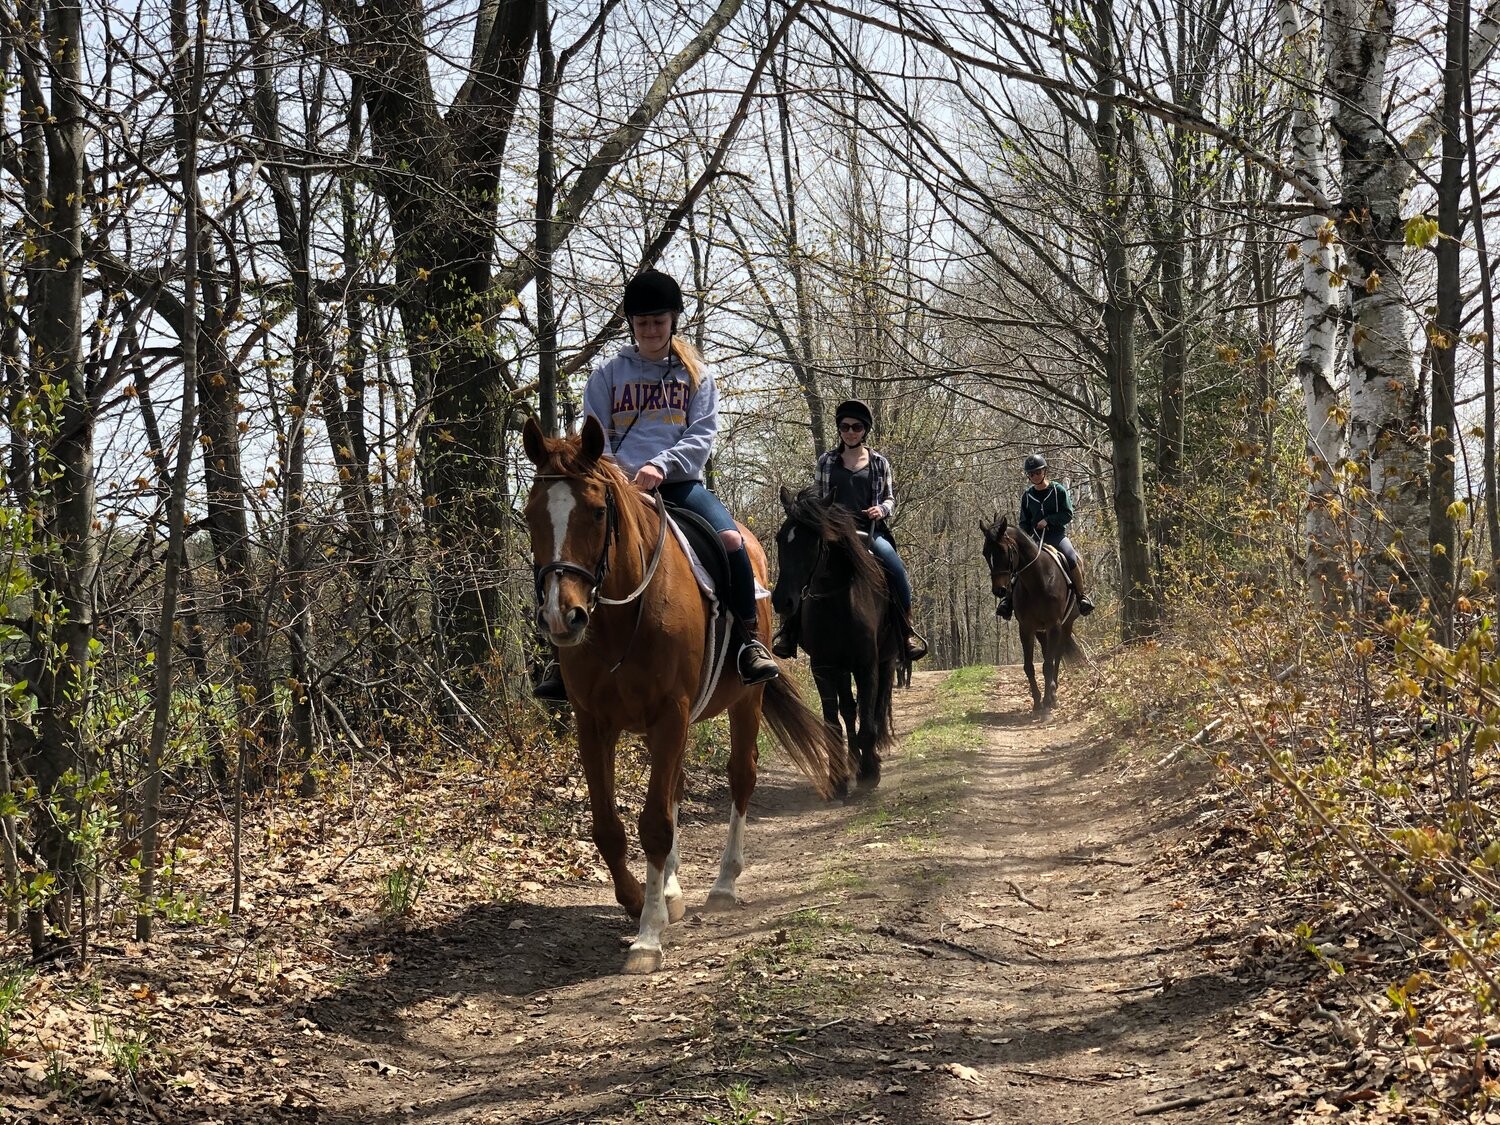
{"x":880,"y":479}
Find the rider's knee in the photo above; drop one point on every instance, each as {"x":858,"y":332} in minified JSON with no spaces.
{"x":732,"y":540}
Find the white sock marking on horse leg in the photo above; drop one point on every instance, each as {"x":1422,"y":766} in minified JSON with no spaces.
{"x":645,"y":950}
{"x":672,"y":890}
{"x":560,"y":505}
{"x":732,"y":863}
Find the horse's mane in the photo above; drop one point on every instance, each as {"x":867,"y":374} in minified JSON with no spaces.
{"x":837,"y":524}
{"x":565,"y":459}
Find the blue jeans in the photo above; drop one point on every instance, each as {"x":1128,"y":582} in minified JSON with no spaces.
{"x":696,"y":498}
{"x":895,"y":571}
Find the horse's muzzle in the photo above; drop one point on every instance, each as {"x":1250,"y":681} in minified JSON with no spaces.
{"x":575,"y":623}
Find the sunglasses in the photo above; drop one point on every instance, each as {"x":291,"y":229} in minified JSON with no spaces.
{"x":852,"y":427}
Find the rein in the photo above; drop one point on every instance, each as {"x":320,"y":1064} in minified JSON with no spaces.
{"x":596,"y":577}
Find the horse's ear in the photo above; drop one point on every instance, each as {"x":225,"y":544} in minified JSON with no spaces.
{"x":787,"y":499}
{"x":533,"y":442}
{"x":593,"y":440}
{"x":1000,"y":528}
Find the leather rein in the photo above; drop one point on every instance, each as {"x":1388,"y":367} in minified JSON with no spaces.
{"x":595,"y":578}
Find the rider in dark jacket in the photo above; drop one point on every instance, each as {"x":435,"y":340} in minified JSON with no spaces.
{"x":1046,"y":511}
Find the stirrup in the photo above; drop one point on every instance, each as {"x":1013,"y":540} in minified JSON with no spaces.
{"x":550,"y":687}
{"x":784,"y":647}
{"x":916,"y":647}
{"x":1085,"y":607}
{"x":755,"y":664}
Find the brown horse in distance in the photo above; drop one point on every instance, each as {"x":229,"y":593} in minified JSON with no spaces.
{"x":619,"y":600}
{"x":1044,"y":601}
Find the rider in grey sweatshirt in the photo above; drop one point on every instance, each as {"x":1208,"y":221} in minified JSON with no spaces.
{"x":651,"y":414}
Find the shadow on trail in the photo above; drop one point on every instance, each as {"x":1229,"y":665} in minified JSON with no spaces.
{"x":1009,"y":720}
{"x":796,"y":1051}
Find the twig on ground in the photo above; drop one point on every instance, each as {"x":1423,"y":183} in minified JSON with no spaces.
{"x":1020,"y":894}
{"x":1187,"y":1101}
{"x":1056,"y":1077}
{"x":916,"y":942}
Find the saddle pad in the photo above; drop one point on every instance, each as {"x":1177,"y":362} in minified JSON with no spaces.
{"x":705,"y":551}
{"x":1057,"y":556}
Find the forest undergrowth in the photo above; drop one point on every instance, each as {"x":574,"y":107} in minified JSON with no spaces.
{"x":1349,"y":771}
{"x":187,"y":1025}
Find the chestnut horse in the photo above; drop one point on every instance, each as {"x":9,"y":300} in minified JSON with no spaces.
{"x":1043,"y":599}
{"x":619,"y":600}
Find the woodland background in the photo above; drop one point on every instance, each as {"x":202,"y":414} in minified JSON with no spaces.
{"x":280,"y":282}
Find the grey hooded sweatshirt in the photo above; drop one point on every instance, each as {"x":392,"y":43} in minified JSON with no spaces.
{"x":651,"y":415}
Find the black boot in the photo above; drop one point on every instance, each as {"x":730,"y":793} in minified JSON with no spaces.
{"x":916,"y":647}
{"x":912,"y":641}
{"x":756,"y":665}
{"x":1003,"y":607}
{"x":784,"y":644}
{"x":550,"y":687}
{"x":1085,"y":607}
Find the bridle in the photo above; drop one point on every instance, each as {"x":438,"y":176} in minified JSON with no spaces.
{"x":1010,"y":554}
{"x":595,"y":578}
{"x":813,"y":572}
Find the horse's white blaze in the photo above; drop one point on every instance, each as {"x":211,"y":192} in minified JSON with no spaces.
{"x":560,"y":505}
{"x":653,"y":912}
{"x":733,"y":861}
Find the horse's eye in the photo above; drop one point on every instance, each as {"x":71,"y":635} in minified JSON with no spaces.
{"x":599,"y":514}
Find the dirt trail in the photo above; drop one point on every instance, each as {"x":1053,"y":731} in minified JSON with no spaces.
{"x":989,"y":936}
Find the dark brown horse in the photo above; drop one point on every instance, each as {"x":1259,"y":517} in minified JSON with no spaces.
{"x":1045,"y":605}
{"x":619,"y":600}
{"x":827,"y":576}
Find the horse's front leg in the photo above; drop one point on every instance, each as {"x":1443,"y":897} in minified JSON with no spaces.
{"x":1028,"y":643}
{"x":596,"y":750}
{"x":832,"y":693}
{"x":744,"y":756}
{"x":666,"y":742}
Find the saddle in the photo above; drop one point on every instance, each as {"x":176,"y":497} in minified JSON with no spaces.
{"x":705,"y":543}
{"x":1062,"y":561}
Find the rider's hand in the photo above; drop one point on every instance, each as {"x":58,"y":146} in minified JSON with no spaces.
{"x":874,"y":512}
{"x":647,"y":477}
{"x":1041,"y":525}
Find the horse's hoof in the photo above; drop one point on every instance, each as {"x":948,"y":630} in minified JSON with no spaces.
{"x":676,"y":909}
{"x":639,"y":961}
{"x":721,"y":900}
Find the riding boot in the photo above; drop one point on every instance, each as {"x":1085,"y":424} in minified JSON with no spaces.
{"x":1003,"y":607}
{"x":784,"y":644}
{"x":915,"y":646}
{"x":550,"y":687}
{"x":1085,"y":606}
{"x":755,"y":664}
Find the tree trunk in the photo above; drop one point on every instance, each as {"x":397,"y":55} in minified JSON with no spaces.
{"x":1321,"y":308}
{"x":186,"y":96}
{"x":1137,"y":600}
{"x":62,"y":625}
{"x":1385,"y":423}
{"x":1450,"y":315}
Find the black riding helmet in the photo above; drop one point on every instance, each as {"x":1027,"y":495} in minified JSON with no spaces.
{"x":652,"y":292}
{"x":855,"y":411}
{"x":1034,"y":462}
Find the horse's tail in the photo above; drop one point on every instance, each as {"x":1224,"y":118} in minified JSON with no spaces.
{"x":885,"y":710}
{"x":814,"y":746}
{"x":1071,"y":652}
